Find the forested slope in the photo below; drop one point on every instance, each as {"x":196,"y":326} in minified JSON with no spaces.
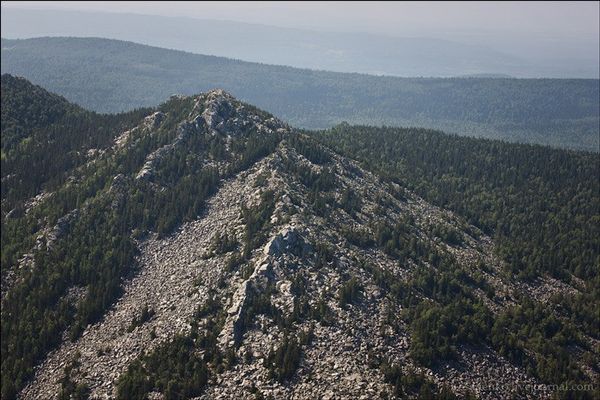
{"x":541,"y":204}
{"x":44,"y":137}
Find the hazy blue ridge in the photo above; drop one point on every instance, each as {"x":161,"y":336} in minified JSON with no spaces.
{"x":110,"y":76}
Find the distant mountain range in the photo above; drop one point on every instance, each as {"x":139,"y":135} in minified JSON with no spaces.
{"x":341,"y":52}
{"x":110,"y":76}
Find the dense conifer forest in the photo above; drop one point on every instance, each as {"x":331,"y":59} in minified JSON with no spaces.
{"x":540,"y":204}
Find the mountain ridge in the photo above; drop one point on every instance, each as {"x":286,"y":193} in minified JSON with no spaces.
{"x":269,"y":257}
{"x":554,"y":112}
{"x":278,"y":45}
{"x":412,"y":55}
{"x":213,"y":251}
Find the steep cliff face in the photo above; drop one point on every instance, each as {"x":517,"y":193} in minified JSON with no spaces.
{"x":285,"y":269}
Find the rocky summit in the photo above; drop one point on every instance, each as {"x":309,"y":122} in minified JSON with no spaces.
{"x":262,"y":265}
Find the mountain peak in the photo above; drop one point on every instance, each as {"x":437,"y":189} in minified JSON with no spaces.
{"x":223,"y":113}
{"x":236,"y":256}
{"x":218,"y":92}
{"x":284,"y":259}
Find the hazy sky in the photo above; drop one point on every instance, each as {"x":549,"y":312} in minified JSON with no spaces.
{"x":553,"y":19}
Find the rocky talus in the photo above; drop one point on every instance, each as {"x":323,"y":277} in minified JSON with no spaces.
{"x":176,"y":273}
